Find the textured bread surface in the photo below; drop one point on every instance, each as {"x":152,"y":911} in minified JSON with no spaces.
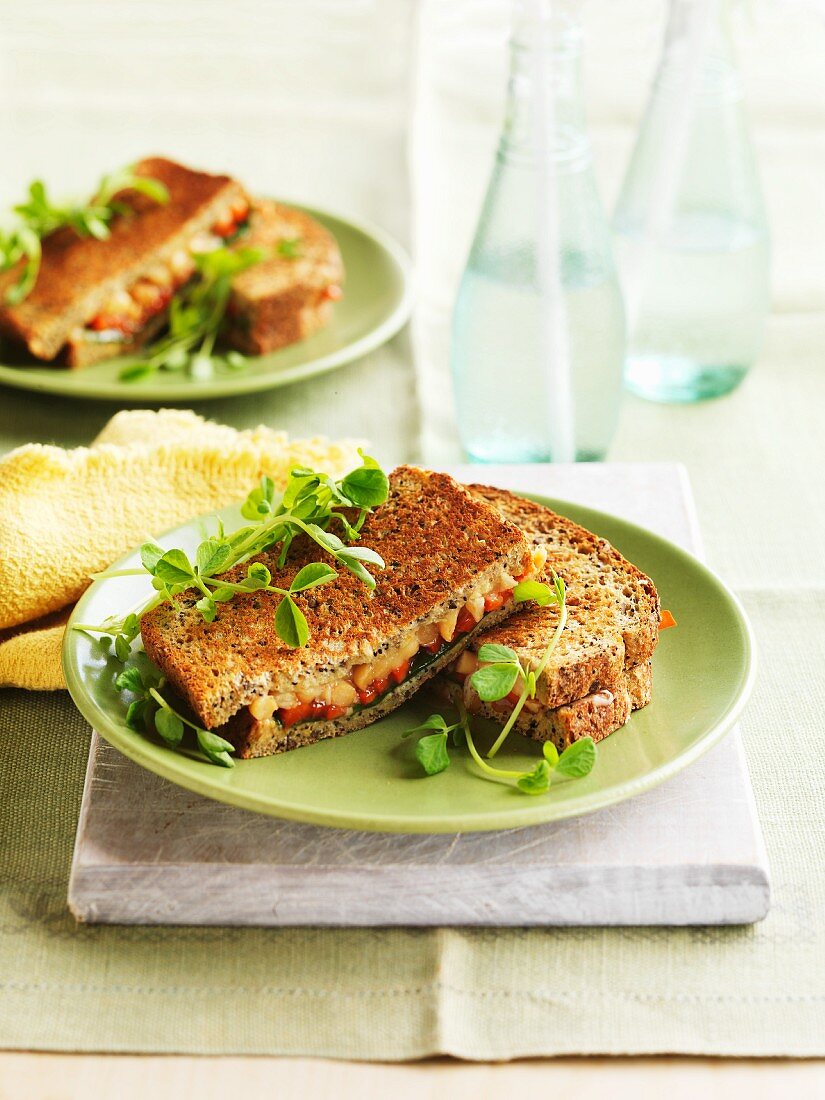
{"x":596,"y":715}
{"x":283,"y":299}
{"x":438,"y":543}
{"x":78,"y":275}
{"x":613,"y":608}
{"x":81,"y":350}
{"x":253,"y":739}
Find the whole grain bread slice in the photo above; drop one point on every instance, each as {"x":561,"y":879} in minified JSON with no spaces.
{"x":82,"y":349}
{"x":613,"y":608}
{"x":596,"y":715}
{"x":439,"y":544}
{"x":290,"y":294}
{"x":78,"y":275}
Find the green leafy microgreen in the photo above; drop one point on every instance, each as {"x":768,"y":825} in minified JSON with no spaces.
{"x":368,"y":485}
{"x":493,"y":682}
{"x":491,"y":653}
{"x":434,"y":722}
{"x":317,"y":572}
{"x":289,"y":247}
{"x":257,"y":577}
{"x":207,"y":608}
{"x":578,"y":759}
{"x":431,"y":753}
{"x":38,"y":216}
{"x":130,"y":679}
{"x":169,"y":726}
{"x":136,"y":715}
{"x":535,"y":592}
{"x":550,"y":753}
{"x":174,"y":568}
{"x":215,"y":748}
{"x":290,"y":622}
{"x":212,"y":556}
{"x":196,"y":318}
{"x":150,"y":555}
{"x":537,"y":781}
{"x":500,"y":671}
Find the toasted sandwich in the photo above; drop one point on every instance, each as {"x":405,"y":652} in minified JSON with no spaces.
{"x":95,"y":299}
{"x":290,"y":294}
{"x":451,"y":563}
{"x":601,"y":668}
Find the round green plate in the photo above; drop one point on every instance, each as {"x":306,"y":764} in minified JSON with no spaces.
{"x":703,"y":672}
{"x":376,"y":303}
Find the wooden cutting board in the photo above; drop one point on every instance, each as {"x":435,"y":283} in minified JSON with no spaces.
{"x":688,"y":852}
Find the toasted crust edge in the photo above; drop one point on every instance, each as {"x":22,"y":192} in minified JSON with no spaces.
{"x":585,"y":717}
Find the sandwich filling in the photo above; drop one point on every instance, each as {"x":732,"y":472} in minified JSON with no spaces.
{"x":129,"y":310}
{"x":364,"y":684}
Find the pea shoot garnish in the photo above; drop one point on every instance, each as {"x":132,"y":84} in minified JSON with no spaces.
{"x":500,"y":672}
{"x":196,"y":316}
{"x":39,"y":216}
{"x":312,"y":504}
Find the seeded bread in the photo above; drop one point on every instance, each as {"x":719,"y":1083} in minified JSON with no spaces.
{"x":82,"y":349}
{"x":288,"y":296}
{"x":78,"y":275}
{"x":439,"y":544}
{"x":597,"y":715}
{"x":613,"y":608}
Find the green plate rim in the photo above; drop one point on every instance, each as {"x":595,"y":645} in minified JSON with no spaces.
{"x":533,"y":812}
{"x":23,"y":378}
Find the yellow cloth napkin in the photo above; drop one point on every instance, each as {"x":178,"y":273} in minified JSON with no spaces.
{"x":66,"y":514}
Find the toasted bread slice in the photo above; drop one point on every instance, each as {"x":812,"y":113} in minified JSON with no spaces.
{"x":289,"y":295}
{"x":597,"y":715}
{"x":601,"y":669}
{"x":79,"y":275}
{"x":613,"y":608}
{"x":443,"y":549}
{"x":82,"y":349}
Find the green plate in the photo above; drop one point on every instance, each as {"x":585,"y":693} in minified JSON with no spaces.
{"x":376,"y":303}
{"x":703,"y":673}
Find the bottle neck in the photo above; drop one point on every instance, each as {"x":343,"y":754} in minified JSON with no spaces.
{"x":698,"y":47}
{"x":544,"y":117}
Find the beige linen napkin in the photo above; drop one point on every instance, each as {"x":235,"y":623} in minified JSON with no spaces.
{"x":66,"y":514}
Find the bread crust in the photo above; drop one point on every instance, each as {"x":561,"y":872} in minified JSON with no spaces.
{"x":596,"y":715}
{"x":438,"y":542}
{"x":80,"y":352}
{"x":613,"y":608}
{"x":283,"y":299}
{"x":78,"y":275}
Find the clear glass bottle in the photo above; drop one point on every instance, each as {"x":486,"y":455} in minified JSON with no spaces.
{"x":538,"y":328}
{"x":691,"y":234}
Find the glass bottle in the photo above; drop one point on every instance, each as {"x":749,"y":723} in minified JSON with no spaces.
{"x":538,"y":328}
{"x":691,"y":234}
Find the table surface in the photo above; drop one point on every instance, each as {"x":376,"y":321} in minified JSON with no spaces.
{"x":743,"y":453}
{"x":130,"y":1077}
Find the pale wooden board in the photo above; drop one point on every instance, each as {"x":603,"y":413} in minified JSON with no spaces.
{"x":688,"y":852}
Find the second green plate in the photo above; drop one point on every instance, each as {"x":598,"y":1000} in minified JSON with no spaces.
{"x":376,"y":303}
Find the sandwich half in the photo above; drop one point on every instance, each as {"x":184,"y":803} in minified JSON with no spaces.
{"x":98,"y":299}
{"x":601,"y":668}
{"x":290,"y":294}
{"x":451,"y":563}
